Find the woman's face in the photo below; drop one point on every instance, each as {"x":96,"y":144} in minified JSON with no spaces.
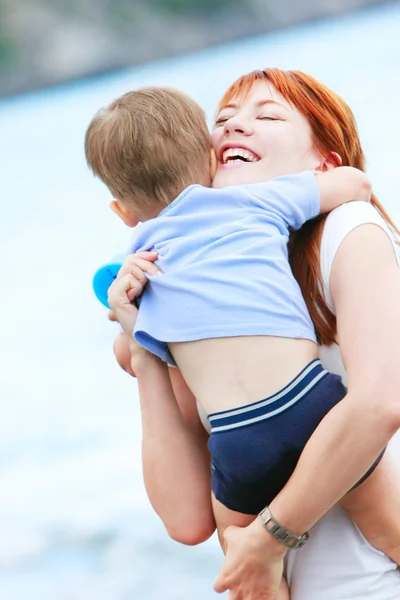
{"x":260,"y":137}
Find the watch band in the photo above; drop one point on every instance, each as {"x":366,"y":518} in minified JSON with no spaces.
{"x":282,"y":534}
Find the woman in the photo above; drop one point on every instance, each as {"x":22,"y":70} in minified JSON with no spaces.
{"x":360,"y":280}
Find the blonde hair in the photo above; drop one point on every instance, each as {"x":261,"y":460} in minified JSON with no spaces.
{"x":148,"y":145}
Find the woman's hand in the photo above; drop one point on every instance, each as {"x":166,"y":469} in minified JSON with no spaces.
{"x":138,"y":265}
{"x":130,"y":282}
{"x":121,"y":294}
{"x":253,"y":564}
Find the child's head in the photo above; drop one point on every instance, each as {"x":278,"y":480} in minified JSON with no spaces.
{"x":147,"y":146}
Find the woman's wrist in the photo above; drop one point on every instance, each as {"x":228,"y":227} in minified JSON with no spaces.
{"x":283,"y":534}
{"x":266,"y":542}
{"x":285,"y":508}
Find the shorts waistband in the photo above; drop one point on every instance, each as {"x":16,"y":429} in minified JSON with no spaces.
{"x":272,"y":405}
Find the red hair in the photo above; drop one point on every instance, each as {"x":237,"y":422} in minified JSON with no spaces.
{"x":334,"y":130}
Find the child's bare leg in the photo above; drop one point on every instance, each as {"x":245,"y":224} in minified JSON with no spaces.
{"x":375,"y":507}
{"x":123,"y":353}
{"x":224,"y":517}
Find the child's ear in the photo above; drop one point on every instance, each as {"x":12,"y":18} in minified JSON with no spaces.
{"x":331,"y":161}
{"x":124,"y":212}
{"x":213,"y":163}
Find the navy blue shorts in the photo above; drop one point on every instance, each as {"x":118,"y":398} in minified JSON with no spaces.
{"x":255,"y":448}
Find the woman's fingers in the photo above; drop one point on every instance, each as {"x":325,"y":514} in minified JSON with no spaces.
{"x":147,"y":255}
{"x":135,"y":261}
{"x":138,"y":274}
{"x":131,"y":279}
{"x":135,"y":276}
{"x":133,"y":285}
{"x":143,"y":260}
{"x":221,"y":583}
{"x":123,"y":291}
{"x":120,"y":295}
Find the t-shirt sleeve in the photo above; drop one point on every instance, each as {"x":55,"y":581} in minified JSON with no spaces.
{"x":294,"y":198}
{"x":339,"y":224}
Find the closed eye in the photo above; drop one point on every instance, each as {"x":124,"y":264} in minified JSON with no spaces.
{"x":221,"y":121}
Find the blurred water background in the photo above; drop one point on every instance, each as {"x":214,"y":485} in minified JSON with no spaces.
{"x":75,"y":522}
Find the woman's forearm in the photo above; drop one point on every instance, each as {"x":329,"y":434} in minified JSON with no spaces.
{"x":176,"y":463}
{"x":340,"y":451}
{"x":365,"y":287}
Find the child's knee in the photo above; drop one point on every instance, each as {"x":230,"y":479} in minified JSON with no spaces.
{"x":123,"y":353}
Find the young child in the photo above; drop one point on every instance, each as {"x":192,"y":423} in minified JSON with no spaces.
{"x":226,"y":309}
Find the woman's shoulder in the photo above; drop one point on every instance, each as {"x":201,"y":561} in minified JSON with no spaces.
{"x":350,"y":215}
{"x":339,"y":223}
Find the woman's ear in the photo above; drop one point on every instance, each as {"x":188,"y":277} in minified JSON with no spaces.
{"x":124,"y":212}
{"x":331,"y":161}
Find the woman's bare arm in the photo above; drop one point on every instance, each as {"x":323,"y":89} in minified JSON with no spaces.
{"x":365,"y":288}
{"x":176,"y":462}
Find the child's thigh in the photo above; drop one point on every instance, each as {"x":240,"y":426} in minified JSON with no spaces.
{"x":381,"y":489}
{"x":224,"y":517}
{"x":375,"y":507}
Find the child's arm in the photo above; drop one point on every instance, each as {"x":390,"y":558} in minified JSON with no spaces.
{"x":341,"y":185}
{"x":375,"y":507}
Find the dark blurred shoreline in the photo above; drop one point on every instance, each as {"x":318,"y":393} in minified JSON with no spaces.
{"x":50,"y":42}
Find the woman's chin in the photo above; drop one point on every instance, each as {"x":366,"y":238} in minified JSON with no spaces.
{"x":238,"y":174}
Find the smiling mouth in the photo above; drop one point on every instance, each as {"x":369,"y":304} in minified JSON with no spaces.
{"x":238,"y":156}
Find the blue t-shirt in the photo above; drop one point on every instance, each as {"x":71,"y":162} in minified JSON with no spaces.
{"x":224,"y":262}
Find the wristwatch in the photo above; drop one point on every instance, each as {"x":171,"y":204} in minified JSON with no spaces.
{"x":279,"y":532}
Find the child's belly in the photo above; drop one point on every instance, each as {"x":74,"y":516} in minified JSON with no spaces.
{"x":229,"y":372}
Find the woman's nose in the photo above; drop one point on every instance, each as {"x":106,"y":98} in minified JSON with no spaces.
{"x":237,"y":124}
